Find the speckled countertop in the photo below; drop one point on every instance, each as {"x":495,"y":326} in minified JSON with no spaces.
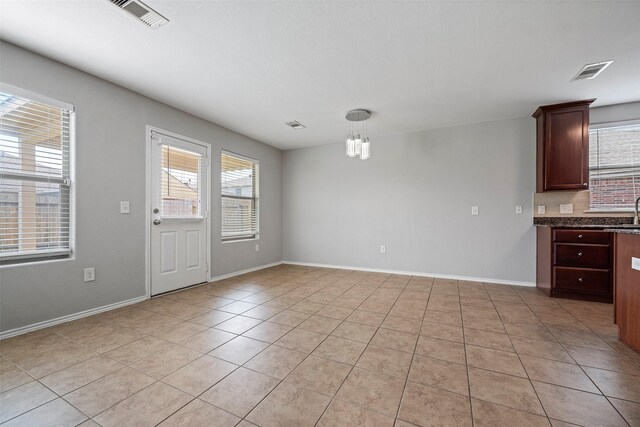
{"x":624,"y":230}
{"x":614,"y":224}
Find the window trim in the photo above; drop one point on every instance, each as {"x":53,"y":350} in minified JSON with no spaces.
{"x":10,"y":259}
{"x":606,"y":125}
{"x":256,"y":199}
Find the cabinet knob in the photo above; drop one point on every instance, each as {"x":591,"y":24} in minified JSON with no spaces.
{"x":584,"y":184}
{"x":579,"y":253}
{"x":580,"y":279}
{"x":579,"y":236}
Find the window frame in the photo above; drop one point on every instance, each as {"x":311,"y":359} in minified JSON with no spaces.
{"x":45,"y":255}
{"x":256,"y":199}
{"x":606,"y":125}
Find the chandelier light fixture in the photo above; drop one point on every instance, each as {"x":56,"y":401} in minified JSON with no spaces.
{"x":358,"y":145}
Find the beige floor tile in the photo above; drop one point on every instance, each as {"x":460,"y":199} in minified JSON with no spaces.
{"x":441,"y":349}
{"x":385,"y":361}
{"x":268,"y":332}
{"x":582,"y":339}
{"x":22,"y":399}
{"x":355,"y":331}
{"x":179,"y":332}
{"x":488,"y":339}
{"x":538,"y":332}
{"x":241,"y":391}
{"x":402,"y":324}
{"x":238,"y":324}
{"x":276,"y":361}
{"x":495,"y":360}
{"x":439,"y":374}
{"x":106,"y":392}
{"x":145,"y":408}
{"x":340,"y":413}
{"x":301,"y":340}
{"x":487,"y":414}
{"x":577,"y":407}
{"x":629,"y":410}
{"x":239,"y":350}
{"x":538,"y":348}
{"x":558,"y":373}
{"x":55,"y":413}
{"x":199,"y":375}
{"x":12,"y":377}
{"x":76,"y":376}
{"x":320,"y":324}
{"x":602,"y":359}
{"x":290,"y":318}
{"x":442,"y":331}
{"x":53,"y":360}
{"x":114,"y":340}
{"x":319,"y":374}
{"x":161,"y":364}
{"x":340,"y":350}
{"x":396,"y":340}
{"x":334,"y":312}
{"x":446,"y":317}
{"x":137,"y":350}
{"x":426,"y":406}
{"x":306,"y":307}
{"x":198,"y":413}
{"x":616,"y":384}
{"x":514,"y":392}
{"x":205,"y":341}
{"x":371,"y":390}
{"x":289,"y":406}
{"x":237,"y":307}
{"x":211,"y":318}
{"x":367,"y":318}
{"x":262,"y":312}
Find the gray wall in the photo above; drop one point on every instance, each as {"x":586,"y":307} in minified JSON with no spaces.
{"x":110,"y":166}
{"x":414,"y":195}
{"x":615,"y":113}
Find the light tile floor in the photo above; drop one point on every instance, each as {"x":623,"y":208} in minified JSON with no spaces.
{"x":300,"y":346}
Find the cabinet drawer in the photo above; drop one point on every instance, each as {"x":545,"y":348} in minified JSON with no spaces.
{"x":581,"y":236}
{"x":582,"y":280}
{"x":591,"y":256}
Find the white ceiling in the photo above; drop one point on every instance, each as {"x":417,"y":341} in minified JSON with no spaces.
{"x":252,"y":66}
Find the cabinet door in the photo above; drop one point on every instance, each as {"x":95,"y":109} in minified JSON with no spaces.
{"x":567,"y":149}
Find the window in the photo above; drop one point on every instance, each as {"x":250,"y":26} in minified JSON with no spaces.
{"x":614,"y":166}
{"x":239,"y":178}
{"x":34,"y":175}
{"x":181,"y":171}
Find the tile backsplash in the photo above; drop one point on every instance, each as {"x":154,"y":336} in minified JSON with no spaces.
{"x":580,"y":200}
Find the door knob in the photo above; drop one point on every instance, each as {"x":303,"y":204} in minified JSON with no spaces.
{"x":579,"y":235}
{"x":579,"y":253}
{"x":156,"y":222}
{"x":580,"y":279}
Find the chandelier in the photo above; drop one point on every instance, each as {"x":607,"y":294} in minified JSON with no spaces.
{"x":358,"y":145}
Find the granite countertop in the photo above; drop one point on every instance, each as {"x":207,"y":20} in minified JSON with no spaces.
{"x":624,"y":230}
{"x":583,"y":221}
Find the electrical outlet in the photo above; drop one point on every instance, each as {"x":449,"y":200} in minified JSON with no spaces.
{"x":635,"y":263}
{"x":519,"y":210}
{"x":89,"y":274}
{"x":383,"y":249}
{"x":474,"y":210}
{"x":124,"y":207}
{"x":257,"y":247}
{"x":542,"y":209}
{"x":566,"y":208}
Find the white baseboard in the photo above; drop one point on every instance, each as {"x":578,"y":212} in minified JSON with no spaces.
{"x":248,"y":270}
{"x":414,"y":273}
{"x":41,"y":325}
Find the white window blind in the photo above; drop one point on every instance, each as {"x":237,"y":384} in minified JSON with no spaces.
{"x":239,"y":178}
{"x":34,"y":178}
{"x":614,"y":166}
{"x":181,"y":174}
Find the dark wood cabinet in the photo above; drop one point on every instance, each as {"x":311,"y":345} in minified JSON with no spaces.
{"x":575,"y":263}
{"x":627,"y":280}
{"x":563,"y":146}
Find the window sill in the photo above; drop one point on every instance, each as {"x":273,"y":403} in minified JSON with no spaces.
{"x":35,"y":256}
{"x":248,"y":239}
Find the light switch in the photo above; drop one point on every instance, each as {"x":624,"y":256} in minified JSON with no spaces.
{"x":383,"y":249}
{"x":566,"y":208}
{"x":635,"y":263}
{"x":124,"y":207}
{"x":518,"y":210}
{"x":542,"y":209}
{"x":474,"y":210}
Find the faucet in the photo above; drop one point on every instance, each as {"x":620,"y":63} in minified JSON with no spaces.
{"x":636,"y":217}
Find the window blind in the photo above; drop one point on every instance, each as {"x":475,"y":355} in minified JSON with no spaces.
{"x":181,"y":175}
{"x":239,"y":178}
{"x":614,"y":166}
{"x":34,"y":178}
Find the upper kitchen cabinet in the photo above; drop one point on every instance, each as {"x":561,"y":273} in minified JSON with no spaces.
{"x":563,"y":146}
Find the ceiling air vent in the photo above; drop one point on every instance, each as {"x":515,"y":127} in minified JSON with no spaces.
{"x":295,"y":124}
{"x":590,"y":71}
{"x":142,"y":12}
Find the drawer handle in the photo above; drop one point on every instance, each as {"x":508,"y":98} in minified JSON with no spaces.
{"x":580,"y":279}
{"x":579,"y":236}
{"x":579,"y":253}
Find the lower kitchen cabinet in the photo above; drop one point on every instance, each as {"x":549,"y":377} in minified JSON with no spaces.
{"x":627,"y":287}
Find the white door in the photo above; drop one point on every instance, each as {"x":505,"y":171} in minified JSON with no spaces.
{"x":179,"y":210}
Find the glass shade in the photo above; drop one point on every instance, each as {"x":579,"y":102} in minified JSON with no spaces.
{"x":358,"y":143}
{"x":365,"y":150}
{"x":351,"y":146}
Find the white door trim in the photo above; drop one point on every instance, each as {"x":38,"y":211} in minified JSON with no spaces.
{"x":147,"y":204}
